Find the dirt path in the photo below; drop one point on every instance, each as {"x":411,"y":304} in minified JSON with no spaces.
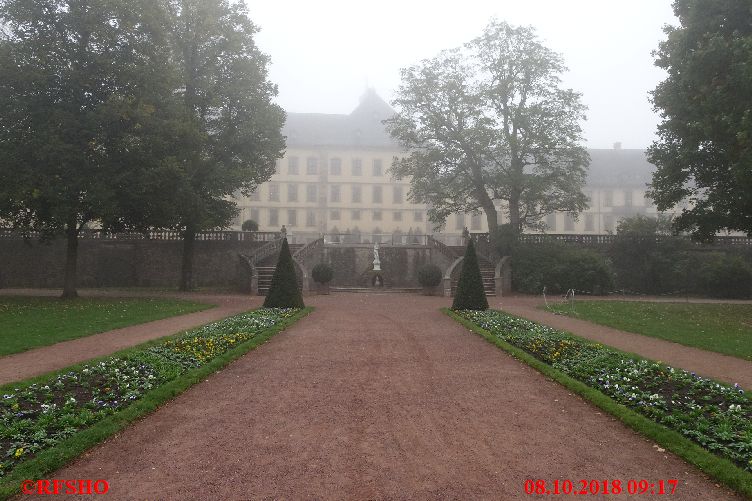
{"x":375,"y":397}
{"x":31,"y":363}
{"x":703,"y":362}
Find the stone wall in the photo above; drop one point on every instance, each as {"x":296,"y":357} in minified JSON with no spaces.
{"x":119,"y":263}
{"x":399,"y":264}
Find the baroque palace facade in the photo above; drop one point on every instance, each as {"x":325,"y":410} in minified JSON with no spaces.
{"x":334,"y":180}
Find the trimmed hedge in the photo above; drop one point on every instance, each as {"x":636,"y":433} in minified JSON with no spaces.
{"x":322,"y":273}
{"x":284,"y":291}
{"x":470,"y":294}
{"x":560,"y":268}
{"x":429,"y":275}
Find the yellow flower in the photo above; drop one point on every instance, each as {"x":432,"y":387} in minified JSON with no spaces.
{"x":19,"y":451}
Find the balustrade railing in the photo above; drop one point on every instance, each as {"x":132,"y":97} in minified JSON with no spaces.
{"x":442,"y":248}
{"x":224,"y":236}
{"x":304,"y":252}
{"x":371,"y":238}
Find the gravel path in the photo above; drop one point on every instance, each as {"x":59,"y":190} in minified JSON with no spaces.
{"x":38,"y":361}
{"x":703,"y":362}
{"x":375,"y":397}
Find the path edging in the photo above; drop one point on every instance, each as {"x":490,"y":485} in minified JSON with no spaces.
{"x":718,"y":468}
{"x":69,"y":449}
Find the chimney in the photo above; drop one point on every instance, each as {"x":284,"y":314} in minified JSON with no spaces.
{"x":617,"y":145}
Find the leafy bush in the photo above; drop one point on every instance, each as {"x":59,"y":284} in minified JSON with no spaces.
{"x":646,"y":258}
{"x":429,"y":275}
{"x":559,"y":268}
{"x":249,"y":225}
{"x":716,"y":416}
{"x":722,"y":276}
{"x":470,"y":294}
{"x":284,"y":291}
{"x":322,"y":273}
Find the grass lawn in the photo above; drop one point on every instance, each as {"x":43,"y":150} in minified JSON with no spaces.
{"x":723,"y":328}
{"x":30,"y":322}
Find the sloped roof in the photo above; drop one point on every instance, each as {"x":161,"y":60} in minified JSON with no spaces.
{"x":361,"y":128}
{"x":619,"y":167}
{"x":364,"y":128}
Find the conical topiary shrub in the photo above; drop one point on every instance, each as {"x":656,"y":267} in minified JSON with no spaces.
{"x":470,"y":294}
{"x":284,"y":291}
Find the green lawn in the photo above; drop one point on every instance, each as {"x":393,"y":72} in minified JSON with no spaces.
{"x":724,"y":328}
{"x":27,"y":322}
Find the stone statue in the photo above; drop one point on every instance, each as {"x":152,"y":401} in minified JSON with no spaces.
{"x":376,"y":259}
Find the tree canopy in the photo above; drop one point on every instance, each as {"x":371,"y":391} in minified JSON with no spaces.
{"x":131,"y":114}
{"x":80,"y":85}
{"x":488,"y":125}
{"x":236,"y":128}
{"x":704,"y":147}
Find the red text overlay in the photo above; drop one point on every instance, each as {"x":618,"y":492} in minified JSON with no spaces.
{"x":601,"y":487}
{"x":53,"y":487}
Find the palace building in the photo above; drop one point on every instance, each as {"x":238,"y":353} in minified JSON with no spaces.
{"x":334,"y":180}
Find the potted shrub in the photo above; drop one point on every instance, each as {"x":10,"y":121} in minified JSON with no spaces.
{"x":429,"y":276}
{"x":249,"y":225}
{"x":322,"y":274}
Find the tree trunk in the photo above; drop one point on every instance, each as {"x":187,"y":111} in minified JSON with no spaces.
{"x":514,"y":213}
{"x":71,"y":261}
{"x":492,"y":217}
{"x":186,"y":272}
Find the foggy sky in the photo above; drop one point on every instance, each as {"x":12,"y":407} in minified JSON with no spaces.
{"x":325,"y":53}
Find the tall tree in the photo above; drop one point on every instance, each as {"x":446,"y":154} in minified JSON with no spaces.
{"x":227,"y":97}
{"x":704,"y":147}
{"x":79,"y":85}
{"x":487,"y":123}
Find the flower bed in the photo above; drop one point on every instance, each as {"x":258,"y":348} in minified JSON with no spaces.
{"x":38,"y":416}
{"x":716,"y":416}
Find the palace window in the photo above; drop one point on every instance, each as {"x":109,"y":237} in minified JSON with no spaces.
{"x":418,"y":216}
{"x":292,"y":217}
{"x":292,"y":192}
{"x":273,"y":217}
{"x":397,"y":193}
{"x":589,"y":222}
{"x":551,"y":222}
{"x":377,"y":215}
{"x":312,"y":165}
{"x":311,"y":218}
{"x":475,"y":222}
{"x":334,"y":193}
{"x":312,"y":193}
{"x":568,"y":223}
{"x":274,"y":193}
{"x":292,"y":166}
{"x":459,"y":221}
{"x":357,"y":194}
{"x":377,"y":168}
{"x":334,"y":215}
{"x":355,"y":215}
{"x":335,"y":166}
{"x":397,"y":216}
{"x":357,"y":167}
{"x":377,"y":194}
